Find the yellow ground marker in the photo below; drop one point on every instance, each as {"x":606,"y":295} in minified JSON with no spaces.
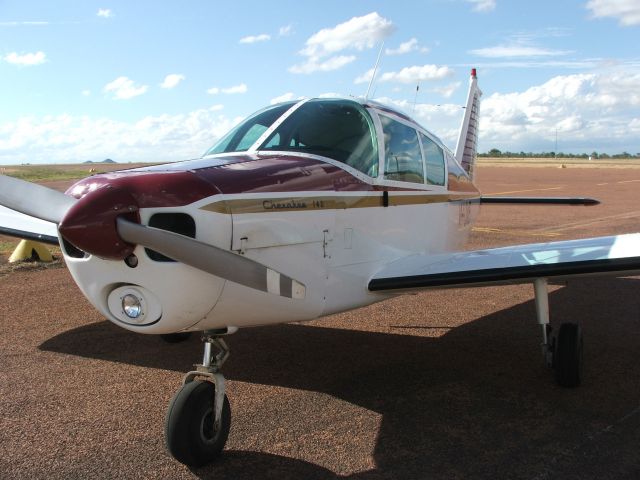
{"x":28,"y":249}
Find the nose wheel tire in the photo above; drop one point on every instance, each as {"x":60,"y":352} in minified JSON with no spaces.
{"x":190,"y":432}
{"x":567,"y":355}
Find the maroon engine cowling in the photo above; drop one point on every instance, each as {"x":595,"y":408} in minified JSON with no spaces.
{"x":90,"y":224}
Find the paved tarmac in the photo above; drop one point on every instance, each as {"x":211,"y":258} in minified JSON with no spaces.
{"x":446,"y":384}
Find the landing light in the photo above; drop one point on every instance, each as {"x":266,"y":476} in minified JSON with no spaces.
{"x":134,"y":305}
{"x":131,"y":306}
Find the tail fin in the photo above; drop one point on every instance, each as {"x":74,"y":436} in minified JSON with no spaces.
{"x":466,"y":149}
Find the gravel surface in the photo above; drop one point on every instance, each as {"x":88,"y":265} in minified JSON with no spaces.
{"x":446,"y":384}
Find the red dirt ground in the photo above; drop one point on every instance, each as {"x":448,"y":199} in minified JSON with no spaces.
{"x":443,"y":384}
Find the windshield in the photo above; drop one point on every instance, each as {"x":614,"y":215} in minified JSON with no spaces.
{"x":247,"y":132}
{"x":337,"y":129}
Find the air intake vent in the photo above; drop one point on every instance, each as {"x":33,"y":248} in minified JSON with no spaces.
{"x":71,"y":250}
{"x":173,"y":222}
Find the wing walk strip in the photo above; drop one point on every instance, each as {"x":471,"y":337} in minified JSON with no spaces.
{"x":522,"y":274}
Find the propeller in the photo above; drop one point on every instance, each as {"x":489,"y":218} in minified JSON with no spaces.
{"x":100,"y":223}
{"x":34,"y":200}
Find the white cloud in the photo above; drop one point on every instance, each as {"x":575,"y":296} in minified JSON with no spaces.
{"x":172,"y":80}
{"x":25,"y":60}
{"x":124,"y":88}
{"x":86,"y":93}
{"x":406,"y":47}
{"x":241,"y":88}
{"x":314,"y":65}
{"x":365,"y":77}
{"x":263,"y":37}
{"x":285,"y":97}
{"x":569,"y":64}
{"x":28,"y":23}
{"x":626,"y":11}
{"x":286,"y":30}
{"x":590,"y":111}
{"x":65,"y":138}
{"x":447,"y":90}
{"x":358,"y":33}
{"x":104,"y":13}
{"x":417,"y":74}
{"x":330,"y":95}
{"x":483,"y":5}
{"x":501,"y":51}
{"x":524,"y":44}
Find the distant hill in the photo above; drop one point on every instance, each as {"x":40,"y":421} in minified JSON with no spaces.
{"x":108,"y":160}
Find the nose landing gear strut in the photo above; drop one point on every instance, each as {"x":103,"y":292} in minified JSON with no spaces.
{"x":199,"y":416}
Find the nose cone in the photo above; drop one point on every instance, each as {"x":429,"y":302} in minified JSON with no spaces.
{"x":90,"y":224}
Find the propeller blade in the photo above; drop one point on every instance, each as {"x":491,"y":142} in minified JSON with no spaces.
{"x":34,"y":200}
{"x":210,"y":259}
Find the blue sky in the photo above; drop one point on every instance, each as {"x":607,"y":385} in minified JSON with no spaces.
{"x":156,"y":81}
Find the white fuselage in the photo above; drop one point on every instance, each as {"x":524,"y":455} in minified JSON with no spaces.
{"x":333,"y":251}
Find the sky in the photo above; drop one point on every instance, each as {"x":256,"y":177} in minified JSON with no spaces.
{"x":161,"y":81}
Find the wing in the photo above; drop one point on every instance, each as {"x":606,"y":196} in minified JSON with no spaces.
{"x":16,"y":224}
{"x":617,"y":255}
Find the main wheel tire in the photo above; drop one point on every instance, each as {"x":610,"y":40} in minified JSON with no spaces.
{"x":567,"y":359}
{"x":175,"y":337}
{"x":189,"y":426}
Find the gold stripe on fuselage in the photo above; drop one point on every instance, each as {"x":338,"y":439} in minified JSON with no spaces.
{"x":297,"y":204}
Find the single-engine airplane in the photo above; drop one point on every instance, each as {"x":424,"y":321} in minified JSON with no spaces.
{"x":304,"y":209}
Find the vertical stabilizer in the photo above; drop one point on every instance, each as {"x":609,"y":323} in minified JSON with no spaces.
{"x":467,"y":146}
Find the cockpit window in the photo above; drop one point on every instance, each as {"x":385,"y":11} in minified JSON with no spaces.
{"x":246,"y":133}
{"x":338,"y":129}
{"x":403,"y":158}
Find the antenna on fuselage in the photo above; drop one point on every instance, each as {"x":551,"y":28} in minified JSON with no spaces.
{"x":375,"y":69}
{"x":415,"y":99}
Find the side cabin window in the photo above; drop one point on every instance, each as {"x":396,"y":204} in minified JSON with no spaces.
{"x":457,"y":174}
{"x":402,"y":155}
{"x":434,"y":160}
{"x":246,"y":133}
{"x":338,"y":129}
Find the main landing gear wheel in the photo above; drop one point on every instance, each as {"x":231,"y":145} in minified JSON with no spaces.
{"x":567,"y":355}
{"x":199,"y":415}
{"x":563,"y":351}
{"x":190,"y":431}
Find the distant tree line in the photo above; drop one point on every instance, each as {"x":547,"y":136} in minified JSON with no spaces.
{"x":495,"y":153}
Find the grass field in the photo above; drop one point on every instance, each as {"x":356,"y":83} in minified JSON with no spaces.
{"x":41,"y":173}
{"x":560,"y":162}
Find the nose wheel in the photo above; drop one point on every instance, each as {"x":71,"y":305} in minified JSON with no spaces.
{"x":199,"y":416}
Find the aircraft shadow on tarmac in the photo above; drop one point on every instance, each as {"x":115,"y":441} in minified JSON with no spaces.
{"x":477,"y":399}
